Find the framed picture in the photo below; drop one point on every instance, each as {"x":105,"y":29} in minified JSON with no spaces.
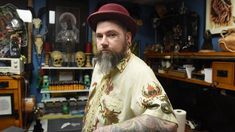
{"x":7,"y":104}
{"x":69,"y":32}
{"x":220,"y":15}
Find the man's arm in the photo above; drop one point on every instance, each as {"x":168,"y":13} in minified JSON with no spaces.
{"x":143,"y":123}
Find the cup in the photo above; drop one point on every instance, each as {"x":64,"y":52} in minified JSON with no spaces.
{"x":189,"y":70}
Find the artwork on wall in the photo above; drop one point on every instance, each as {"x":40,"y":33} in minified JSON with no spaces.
{"x":67,"y":24}
{"x":220,"y":15}
{"x":6,"y":103}
{"x":70,"y":24}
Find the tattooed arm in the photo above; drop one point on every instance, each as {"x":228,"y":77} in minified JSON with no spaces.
{"x":143,"y":123}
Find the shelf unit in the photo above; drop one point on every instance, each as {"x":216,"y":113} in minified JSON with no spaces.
{"x":190,"y":55}
{"x":66,"y":68}
{"x":152,"y":56}
{"x":62,"y":94}
{"x":64,"y":91}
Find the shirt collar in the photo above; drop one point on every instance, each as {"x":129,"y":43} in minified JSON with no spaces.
{"x":123,"y":63}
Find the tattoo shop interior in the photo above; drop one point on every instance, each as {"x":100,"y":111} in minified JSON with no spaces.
{"x":188,"y":45}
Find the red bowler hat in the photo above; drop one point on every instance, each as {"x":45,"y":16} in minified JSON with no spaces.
{"x":112,"y":11}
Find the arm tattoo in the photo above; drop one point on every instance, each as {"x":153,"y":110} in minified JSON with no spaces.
{"x":143,"y":123}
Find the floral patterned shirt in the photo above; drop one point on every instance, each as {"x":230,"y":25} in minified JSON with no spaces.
{"x":131,"y":89}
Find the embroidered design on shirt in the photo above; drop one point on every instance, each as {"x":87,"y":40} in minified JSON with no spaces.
{"x":110,"y":116}
{"x":109,"y":87}
{"x":123,"y":63}
{"x":166,"y":106}
{"x":151,"y":91}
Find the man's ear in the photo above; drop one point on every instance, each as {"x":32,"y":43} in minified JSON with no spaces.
{"x":129,"y":38}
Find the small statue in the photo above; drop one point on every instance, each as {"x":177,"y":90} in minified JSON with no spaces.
{"x":189,"y":46}
{"x":207,"y":44}
{"x":37,"y":113}
{"x":45,"y":86}
{"x":87,"y":81}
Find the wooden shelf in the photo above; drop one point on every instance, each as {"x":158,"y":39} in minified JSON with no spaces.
{"x":64,"y":91}
{"x":190,"y":55}
{"x":61,"y":99}
{"x":197,"y":81}
{"x":65,"y":68}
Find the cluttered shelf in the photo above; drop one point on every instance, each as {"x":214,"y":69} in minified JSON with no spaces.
{"x":66,"y":68}
{"x":191,"y":55}
{"x":197,"y":81}
{"x":172,"y":65}
{"x":64,"y":91}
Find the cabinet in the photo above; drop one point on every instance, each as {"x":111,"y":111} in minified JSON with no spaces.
{"x":199,"y":59}
{"x":11,"y":96}
{"x":67,"y":88}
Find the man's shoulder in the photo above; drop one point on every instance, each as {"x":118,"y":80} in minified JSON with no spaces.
{"x":138,"y":63}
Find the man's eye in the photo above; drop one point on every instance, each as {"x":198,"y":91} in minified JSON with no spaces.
{"x":99,"y":36}
{"x":112,"y":35}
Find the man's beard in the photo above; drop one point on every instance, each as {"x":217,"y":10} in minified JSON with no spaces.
{"x":108,"y":60}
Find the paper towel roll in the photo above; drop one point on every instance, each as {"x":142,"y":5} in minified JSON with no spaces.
{"x":181,"y":118}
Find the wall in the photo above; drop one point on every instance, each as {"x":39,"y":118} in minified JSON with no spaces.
{"x":145,"y":33}
{"x":212,"y":109}
{"x":34,"y":89}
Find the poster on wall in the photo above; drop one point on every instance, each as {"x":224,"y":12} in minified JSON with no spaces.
{"x":220,"y":15}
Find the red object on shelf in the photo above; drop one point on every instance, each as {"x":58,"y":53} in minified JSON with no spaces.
{"x":88,"y":48}
{"x":47,"y":47}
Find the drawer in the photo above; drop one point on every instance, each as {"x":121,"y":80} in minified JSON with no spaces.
{"x":9,"y":84}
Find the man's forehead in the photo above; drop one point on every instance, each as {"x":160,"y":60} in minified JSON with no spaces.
{"x":105,"y":27}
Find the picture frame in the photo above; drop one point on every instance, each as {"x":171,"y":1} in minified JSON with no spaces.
{"x":74,"y":14}
{"x":7,"y":104}
{"x":219,"y":19}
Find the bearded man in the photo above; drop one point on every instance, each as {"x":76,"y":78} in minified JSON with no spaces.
{"x":125,"y":94}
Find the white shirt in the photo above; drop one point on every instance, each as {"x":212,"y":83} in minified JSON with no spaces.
{"x":130,"y":90}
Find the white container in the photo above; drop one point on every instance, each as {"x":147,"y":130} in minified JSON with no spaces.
{"x":208,"y":75}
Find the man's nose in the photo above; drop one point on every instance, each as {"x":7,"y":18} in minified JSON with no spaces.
{"x":104,"y":42}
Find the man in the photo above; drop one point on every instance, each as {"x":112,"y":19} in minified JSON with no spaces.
{"x":125,"y":94}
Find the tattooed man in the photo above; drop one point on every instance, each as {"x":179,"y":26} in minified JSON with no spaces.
{"x":125,"y":95}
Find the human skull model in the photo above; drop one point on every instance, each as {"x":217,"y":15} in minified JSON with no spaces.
{"x":57,"y":58}
{"x":80,"y":58}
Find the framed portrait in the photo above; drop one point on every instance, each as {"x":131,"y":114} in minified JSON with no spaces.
{"x":70,"y":28}
{"x":220,"y":15}
{"x":7,"y":104}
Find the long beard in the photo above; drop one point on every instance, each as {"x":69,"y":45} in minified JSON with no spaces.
{"x":108,"y":60}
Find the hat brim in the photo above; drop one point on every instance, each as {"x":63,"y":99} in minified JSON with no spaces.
{"x":129,"y":22}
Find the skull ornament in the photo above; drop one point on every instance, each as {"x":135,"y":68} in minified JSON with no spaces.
{"x":57,"y":58}
{"x":80,"y":58}
{"x":39,"y":44}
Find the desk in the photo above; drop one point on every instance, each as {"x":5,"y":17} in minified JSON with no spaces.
{"x":61,"y":124}
{"x":13,"y":86}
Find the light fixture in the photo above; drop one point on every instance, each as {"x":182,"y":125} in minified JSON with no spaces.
{"x":25,"y":15}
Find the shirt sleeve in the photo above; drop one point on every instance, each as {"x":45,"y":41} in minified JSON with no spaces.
{"x":150,"y":98}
